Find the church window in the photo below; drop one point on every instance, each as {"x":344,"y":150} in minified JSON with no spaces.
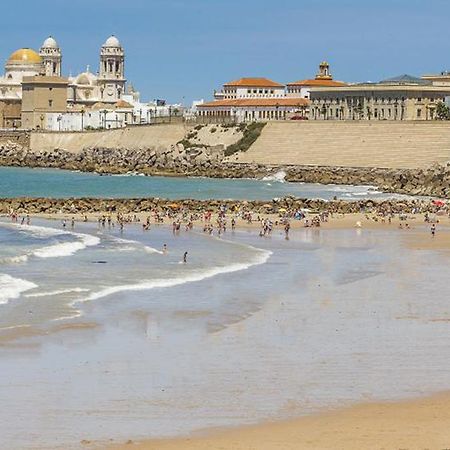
{"x":419,"y":113}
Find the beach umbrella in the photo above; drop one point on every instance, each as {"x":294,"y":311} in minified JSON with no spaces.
{"x":282,"y":209}
{"x":174,"y":205}
{"x":267,"y":206}
{"x":439,"y":202}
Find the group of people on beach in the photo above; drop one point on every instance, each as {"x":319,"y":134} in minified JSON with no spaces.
{"x":215,"y":220}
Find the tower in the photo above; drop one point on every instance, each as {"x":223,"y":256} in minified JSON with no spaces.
{"x":51,"y":57}
{"x":324,"y":72}
{"x":112,"y":70}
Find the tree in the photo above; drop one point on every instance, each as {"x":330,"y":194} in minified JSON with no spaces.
{"x":442,"y":111}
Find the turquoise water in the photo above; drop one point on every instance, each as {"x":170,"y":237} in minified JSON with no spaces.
{"x":25,"y":182}
{"x":124,"y":342}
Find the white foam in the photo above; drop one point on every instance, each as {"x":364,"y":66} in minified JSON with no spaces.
{"x":11,"y":288}
{"x":134,"y":245}
{"x":279,"y":176}
{"x":14,"y":259}
{"x":59,"y":249}
{"x":57,"y":292}
{"x":261,"y":258}
{"x":67,"y":248}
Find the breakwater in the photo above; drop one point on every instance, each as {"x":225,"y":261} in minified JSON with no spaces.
{"x":127,"y":206}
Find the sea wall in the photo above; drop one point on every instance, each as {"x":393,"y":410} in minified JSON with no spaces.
{"x":386,"y":144}
{"x":15,"y":137}
{"x":133,"y":138}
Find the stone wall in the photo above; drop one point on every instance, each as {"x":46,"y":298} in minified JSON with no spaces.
{"x":19,"y":138}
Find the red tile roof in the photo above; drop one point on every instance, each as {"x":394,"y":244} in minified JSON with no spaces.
{"x":254,"y":82}
{"x":325,"y":83}
{"x":242,"y":102}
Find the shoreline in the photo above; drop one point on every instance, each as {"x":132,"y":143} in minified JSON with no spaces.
{"x":403,"y":424}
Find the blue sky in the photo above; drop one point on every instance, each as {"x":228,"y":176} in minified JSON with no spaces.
{"x":184,"y":49}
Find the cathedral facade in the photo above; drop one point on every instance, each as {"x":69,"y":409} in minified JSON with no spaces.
{"x":84,"y":91}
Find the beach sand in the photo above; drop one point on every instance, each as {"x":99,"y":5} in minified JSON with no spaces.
{"x":412,"y":425}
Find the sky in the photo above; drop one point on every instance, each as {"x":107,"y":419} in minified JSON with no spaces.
{"x":182,"y":50}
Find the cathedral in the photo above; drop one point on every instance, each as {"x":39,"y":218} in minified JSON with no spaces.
{"x":85,"y":90}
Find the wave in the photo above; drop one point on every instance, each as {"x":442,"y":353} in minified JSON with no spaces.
{"x":11,"y":288}
{"x":133,"y":245}
{"x":14,"y":259}
{"x":57,"y":292}
{"x":279,"y":176}
{"x":55,"y":250}
{"x":262,"y":258}
{"x":67,"y":248}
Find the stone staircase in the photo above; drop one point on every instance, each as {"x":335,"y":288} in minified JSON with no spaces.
{"x":351,"y":144}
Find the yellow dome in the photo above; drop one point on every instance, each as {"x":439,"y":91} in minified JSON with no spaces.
{"x":25,"y":55}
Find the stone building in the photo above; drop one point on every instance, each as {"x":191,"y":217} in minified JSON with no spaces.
{"x":253,"y":109}
{"x":400,"y":98}
{"x":41,"y":95}
{"x":83,"y":91}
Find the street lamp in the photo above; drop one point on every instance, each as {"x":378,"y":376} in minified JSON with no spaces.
{"x":82,"y":119}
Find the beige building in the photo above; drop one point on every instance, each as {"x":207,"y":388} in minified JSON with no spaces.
{"x":83,"y":90}
{"x":253,"y":109}
{"x":400,"y":98}
{"x":42,"y":95}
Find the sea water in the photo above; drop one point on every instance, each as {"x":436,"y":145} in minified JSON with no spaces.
{"x":104,"y":337}
{"x":52,"y":183}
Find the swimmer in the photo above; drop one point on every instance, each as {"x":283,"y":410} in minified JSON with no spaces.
{"x":185,"y":257}
{"x":164,"y":250}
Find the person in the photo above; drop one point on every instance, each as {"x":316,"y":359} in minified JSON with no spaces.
{"x":165,"y":249}
{"x":185,"y":257}
{"x":433,"y":229}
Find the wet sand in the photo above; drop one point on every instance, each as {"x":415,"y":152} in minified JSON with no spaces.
{"x":413,"y":425}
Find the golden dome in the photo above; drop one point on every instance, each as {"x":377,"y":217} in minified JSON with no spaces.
{"x":25,"y":55}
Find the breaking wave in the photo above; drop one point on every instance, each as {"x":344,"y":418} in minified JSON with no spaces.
{"x":11,"y":288}
{"x":54,"y":250}
{"x":195,"y":276}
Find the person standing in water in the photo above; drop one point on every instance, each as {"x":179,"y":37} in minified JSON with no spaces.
{"x":185,"y":257}
{"x":164,"y":249}
{"x":433,"y":229}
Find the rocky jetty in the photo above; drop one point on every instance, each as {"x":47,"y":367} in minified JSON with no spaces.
{"x":127,"y":206}
{"x":177,"y":160}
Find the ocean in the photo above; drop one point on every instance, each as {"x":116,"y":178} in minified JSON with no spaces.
{"x":53,"y":183}
{"x":103,"y":336}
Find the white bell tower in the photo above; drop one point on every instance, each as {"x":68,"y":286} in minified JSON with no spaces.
{"x":112,"y":70}
{"x":51,"y":57}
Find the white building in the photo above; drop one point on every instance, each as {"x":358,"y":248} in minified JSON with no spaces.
{"x":250,"y":88}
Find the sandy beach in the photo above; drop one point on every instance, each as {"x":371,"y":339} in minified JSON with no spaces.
{"x":411,"y":425}
{"x":370,"y":424}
